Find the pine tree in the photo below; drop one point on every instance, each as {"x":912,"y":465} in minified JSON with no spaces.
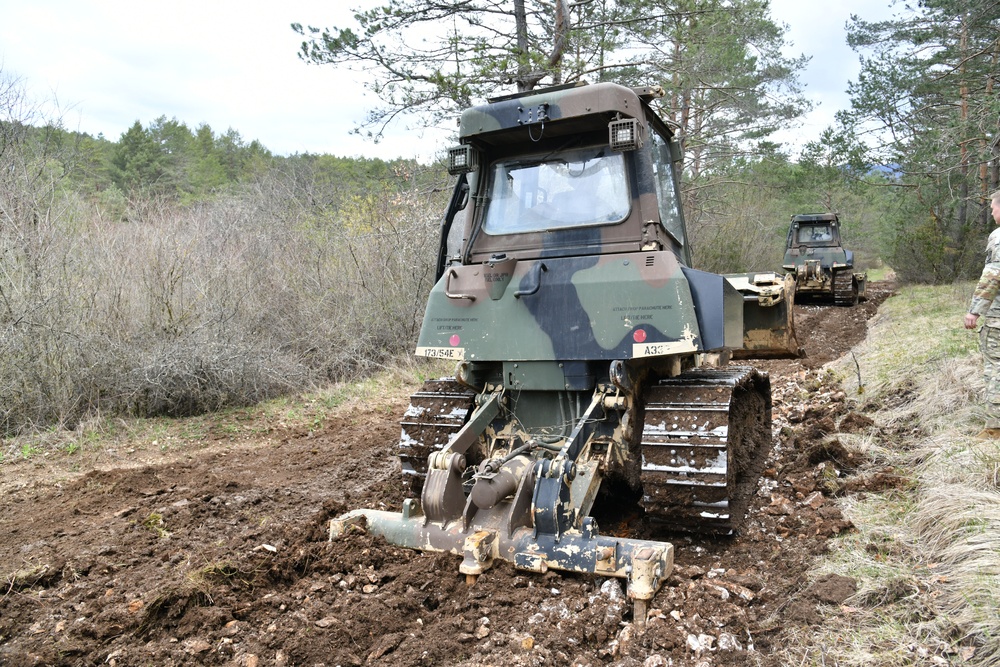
{"x":925,"y":106}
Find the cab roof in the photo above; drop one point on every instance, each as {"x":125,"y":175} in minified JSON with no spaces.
{"x":816,"y":217}
{"x":558,"y":110}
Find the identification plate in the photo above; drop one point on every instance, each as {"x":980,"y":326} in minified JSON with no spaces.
{"x":456,"y":353}
{"x":662,"y":349}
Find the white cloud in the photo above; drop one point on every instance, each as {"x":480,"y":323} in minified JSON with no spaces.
{"x":220,"y":62}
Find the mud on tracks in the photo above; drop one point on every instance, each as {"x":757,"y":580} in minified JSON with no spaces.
{"x":218,"y":556}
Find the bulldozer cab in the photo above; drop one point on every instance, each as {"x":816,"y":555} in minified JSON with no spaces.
{"x":814,"y":236}
{"x":545,"y":178}
{"x":549,"y":181}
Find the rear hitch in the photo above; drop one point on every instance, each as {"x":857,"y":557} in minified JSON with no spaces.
{"x":645,"y":564}
{"x":529,"y":508}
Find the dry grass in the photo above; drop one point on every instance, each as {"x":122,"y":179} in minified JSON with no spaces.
{"x":957,"y":518}
{"x":111,"y":442}
{"x":926,"y":557}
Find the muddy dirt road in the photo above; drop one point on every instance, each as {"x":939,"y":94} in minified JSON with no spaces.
{"x":217,"y":554}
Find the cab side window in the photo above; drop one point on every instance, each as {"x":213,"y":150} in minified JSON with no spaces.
{"x":666,"y":188}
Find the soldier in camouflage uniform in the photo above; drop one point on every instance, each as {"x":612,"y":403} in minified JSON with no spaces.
{"x":985,"y":301}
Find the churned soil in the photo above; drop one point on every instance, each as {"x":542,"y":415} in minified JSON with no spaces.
{"x":217,"y":554}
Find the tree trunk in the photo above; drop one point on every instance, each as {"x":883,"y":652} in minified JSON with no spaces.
{"x":521,"y":30}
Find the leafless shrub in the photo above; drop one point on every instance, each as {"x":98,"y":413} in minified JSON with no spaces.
{"x":736,"y":228}
{"x":157,"y":309}
{"x":17,"y":112}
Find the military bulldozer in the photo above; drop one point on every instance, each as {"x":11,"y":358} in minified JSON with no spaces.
{"x":590,"y":358}
{"x":823,"y":269}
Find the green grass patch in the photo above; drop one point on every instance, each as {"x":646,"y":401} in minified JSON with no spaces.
{"x":880,"y":273}
{"x":154,"y":524}
{"x":29,"y":449}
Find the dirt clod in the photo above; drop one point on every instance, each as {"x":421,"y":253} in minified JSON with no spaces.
{"x":833,"y":588}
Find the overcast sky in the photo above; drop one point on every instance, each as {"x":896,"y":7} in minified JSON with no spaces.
{"x":234,"y":65}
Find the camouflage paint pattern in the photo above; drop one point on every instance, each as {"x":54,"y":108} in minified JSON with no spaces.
{"x":573,"y":308}
{"x":984,"y":298}
{"x":598,"y":292}
{"x":579,"y":112}
{"x":556,"y":105}
{"x":989,"y":343}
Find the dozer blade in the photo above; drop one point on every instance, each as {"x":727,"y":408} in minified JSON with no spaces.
{"x":706,"y":434}
{"x":768,"y":326}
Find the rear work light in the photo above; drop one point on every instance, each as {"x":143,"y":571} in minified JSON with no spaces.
{"x":625,"y":134}
{"x":462,"y":160}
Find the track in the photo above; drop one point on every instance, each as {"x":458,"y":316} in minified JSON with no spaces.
{"x":705,"y":437}
{"x":845,"y":291}
{"x":706,"y":434}
{"x":436,"y":413}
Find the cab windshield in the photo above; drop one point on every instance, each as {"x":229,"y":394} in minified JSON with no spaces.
{"x":814,"y":233}
{"x":572,"y":188}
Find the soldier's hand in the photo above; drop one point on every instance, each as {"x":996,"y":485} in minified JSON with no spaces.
{"x":970,"y":320}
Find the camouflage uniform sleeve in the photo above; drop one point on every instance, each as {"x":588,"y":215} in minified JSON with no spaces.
{"x":986,"y":290}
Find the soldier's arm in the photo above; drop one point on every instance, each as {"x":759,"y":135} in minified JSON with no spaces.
{"x":986,"y":290}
